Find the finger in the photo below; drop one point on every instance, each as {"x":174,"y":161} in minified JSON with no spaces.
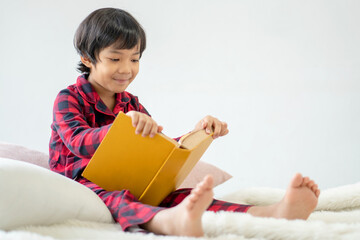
{"x":134,"y":118}
{"x":224,"y":129}
{"x":130,"y":113}
{"x":147,"y":128}
{"x":160,"y":128}
{"x":217,"y":129}
{"x":204,"y":124}
{"x":140,"y":125}
{"x":208,"y":126}
{"x":153,"y":130}
{"x":225,"y":132}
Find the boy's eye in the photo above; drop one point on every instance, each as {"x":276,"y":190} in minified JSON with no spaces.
{"x":135,"y":60}
{"x":114,"y":59}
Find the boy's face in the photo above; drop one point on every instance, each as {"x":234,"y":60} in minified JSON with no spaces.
{"x":114,"y":70}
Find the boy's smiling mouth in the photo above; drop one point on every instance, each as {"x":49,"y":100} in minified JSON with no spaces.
{"x":121,"y":81}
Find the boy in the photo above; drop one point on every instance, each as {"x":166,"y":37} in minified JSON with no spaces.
{"x":110,"y":43}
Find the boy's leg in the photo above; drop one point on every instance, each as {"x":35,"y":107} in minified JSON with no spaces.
{"x":216,"y":205}
{"x":124,"y":207}
{"x":184,"y":216}
{"x":299,"y":201}
{"x":182,"y":220}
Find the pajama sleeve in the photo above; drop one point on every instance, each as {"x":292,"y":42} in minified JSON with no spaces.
{"x":72,"y":127}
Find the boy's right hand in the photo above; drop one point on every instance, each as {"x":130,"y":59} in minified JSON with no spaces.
{"x":144,"y":124}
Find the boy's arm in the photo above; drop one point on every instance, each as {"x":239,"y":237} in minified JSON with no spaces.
{"x":71,"y":125}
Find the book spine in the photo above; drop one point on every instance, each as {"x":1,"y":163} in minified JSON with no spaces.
{"x":165,"y":180}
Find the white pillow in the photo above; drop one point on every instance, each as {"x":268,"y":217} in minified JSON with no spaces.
{"x":32,"y":195}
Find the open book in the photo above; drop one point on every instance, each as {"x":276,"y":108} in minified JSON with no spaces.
{"x":151,"y":168}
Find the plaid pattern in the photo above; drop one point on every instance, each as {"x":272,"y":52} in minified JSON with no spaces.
{"x":179,"y":195}
{"x":80,"y":122}
{"x":124,"y":207}
{"x":129,"y":212}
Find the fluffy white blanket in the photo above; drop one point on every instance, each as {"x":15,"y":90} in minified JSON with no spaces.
{"x":336,"y":217}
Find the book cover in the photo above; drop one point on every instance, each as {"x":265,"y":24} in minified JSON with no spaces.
{"x":151,"y":168}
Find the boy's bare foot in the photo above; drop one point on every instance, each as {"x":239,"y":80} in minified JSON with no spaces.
{"x":185,"y":218}
{"x":300,"y":200}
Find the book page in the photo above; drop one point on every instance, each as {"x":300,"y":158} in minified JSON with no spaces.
{"x":192,"y":139}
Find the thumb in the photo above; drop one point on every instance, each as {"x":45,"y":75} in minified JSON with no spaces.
{"x":204,"y":124}
{"x":207,"y":127}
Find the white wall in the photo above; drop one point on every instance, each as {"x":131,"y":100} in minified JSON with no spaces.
{"x":283,"y":74}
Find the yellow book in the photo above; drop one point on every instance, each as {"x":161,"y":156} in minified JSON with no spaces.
{"x":151,"y":168}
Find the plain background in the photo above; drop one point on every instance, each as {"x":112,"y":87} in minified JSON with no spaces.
{"x":283,"y":74}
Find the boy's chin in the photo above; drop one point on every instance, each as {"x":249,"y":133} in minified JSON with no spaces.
{"x":120,"y":90}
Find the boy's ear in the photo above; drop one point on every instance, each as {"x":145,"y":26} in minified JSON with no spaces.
{"x":86,"y":61}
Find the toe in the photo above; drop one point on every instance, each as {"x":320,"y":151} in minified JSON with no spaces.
{"x":305,"y":182}
{"x":314,"y":188}
{"x":208,"y":181}
{"x":310,"y":184}
{"x":297,"y":180}
{"x":193,"y":198}
{"x":196,"y":191}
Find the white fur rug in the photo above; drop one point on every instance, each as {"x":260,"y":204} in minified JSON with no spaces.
{"x":336,"y":217}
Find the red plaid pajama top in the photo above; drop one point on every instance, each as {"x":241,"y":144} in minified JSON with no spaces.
{"x":80,"y":122}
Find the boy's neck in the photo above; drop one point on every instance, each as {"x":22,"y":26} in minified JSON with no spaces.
{"x":109,"y":98}
{"x":109,"y":102}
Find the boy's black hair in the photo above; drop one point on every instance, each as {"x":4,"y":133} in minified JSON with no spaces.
{"x":104,"y":27}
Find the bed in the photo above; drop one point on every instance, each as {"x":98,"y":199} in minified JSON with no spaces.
{"x":34,"y":209}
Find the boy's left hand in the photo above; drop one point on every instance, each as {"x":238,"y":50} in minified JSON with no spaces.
{"x":210,"y":122}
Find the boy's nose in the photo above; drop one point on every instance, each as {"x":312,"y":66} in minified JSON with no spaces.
{"x":124,"y":68}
